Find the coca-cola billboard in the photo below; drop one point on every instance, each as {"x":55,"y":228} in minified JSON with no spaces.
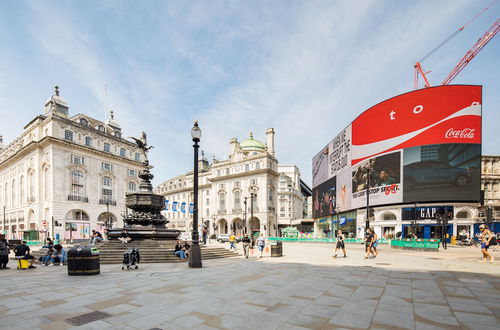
{"x":437,"y":127}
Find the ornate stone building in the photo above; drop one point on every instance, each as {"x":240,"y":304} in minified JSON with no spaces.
{"x":65,"y":176}
{"x":490,"y":184}
{"x":226,"y":189}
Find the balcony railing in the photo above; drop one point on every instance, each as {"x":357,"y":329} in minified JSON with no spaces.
{"x":237,"y":210}
{"x":107,"y":201}
{"x":78,"y":198}
{"x":223,"y":211}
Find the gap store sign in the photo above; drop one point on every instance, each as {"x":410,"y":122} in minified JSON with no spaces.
{"x":422,"y":213}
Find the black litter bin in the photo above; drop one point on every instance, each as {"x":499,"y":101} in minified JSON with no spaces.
{"x":83,"y":261}
{"x":276,"y":249}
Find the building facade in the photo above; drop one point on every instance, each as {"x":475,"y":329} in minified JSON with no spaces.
{"x":65,"y":176}
{"x":241,"y":194}
{"x":420,"y":218}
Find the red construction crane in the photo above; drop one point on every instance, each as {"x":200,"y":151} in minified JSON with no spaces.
{"x":473,"y":52}
{"x":490,"y":34}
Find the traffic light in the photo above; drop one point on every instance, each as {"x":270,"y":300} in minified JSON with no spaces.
{"x":449,"y":215}
{"x":489,"y":214}
{"x":371,"y":214}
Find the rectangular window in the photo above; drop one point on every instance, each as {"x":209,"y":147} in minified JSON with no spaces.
{"x":68,"y":135}
{"x":132,"y":172}
{"x":257,"y":165}
{"x":107,"y":147}
{"x":122,"y":152}
{"x":222,"y":186}
{"x":88,"y":141}
{"x":107,"y":167}
{"x":107,"y":194}
{"x":227,"y":171}
{"x":77,"y":160}
{"x":132,"y":186}
{"x":236,"y":184}
{"x":247,"y":167}
{"x":137,"y":156}
{"x":218,"y":172}
{"x":253,"y":181}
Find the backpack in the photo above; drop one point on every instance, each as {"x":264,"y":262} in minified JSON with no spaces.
{"x":4,"y":249}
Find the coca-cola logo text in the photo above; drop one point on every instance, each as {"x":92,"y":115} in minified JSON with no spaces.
{"x":466,"y":133}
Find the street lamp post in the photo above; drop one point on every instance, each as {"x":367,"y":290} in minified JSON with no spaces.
{"x":368,"y":168}
{"x":245,"y":214}
{"x":251,"y":213}
{"x":195,"y":255}
{"x":108,"y":225}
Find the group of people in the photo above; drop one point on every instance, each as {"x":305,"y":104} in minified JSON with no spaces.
{"x":55,"y":254}
{"x":182,"y":250}
{"x":247,"y":242}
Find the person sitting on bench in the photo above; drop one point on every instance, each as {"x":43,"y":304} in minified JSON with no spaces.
{"x":22,"y":251}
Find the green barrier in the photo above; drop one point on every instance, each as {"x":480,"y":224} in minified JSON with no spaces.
{"x":416,"y":244}
{"x":34,"y":242}
{"x":325,"y":240}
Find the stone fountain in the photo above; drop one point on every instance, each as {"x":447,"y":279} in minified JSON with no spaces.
{"x":146,"y":220}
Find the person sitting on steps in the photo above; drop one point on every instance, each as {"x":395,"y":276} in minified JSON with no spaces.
{"x":124,"y":237}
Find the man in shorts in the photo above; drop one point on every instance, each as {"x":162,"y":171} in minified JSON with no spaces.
{"x":340,"y":243}
{"x":22,"y":251}
{"x":486,"y":237}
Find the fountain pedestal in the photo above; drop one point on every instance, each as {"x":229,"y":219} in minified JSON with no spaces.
{"x":145,"y":221}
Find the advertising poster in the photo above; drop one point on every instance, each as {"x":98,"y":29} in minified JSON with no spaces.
{"x":320,"y":167}
{"x":442,"y":172}
{"x":344,"y":189}
{"x":339,"y":156}
{"x":324,"y":198}
{"x":385,"y":181}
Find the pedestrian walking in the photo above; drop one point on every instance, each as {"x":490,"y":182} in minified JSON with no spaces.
{"x":340,"y":243}
{"x":486,"y":239}
{"x":204,"y":233}
{"x":232,"y":242}
{"x":371,"y":243}
{"x":261,"y":243}
{"x":246,"y":245}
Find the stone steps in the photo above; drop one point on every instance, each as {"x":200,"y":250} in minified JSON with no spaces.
{"x":111,"y":252}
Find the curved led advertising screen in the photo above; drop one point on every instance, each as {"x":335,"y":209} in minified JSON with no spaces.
{"x":422,"y":146}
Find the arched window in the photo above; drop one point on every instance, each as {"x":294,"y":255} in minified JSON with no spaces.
{"x":222,"y":202}
{"x":31,"y":183}
{"x":389,"y":216}
{"x":463,"y":215}
{"x":13,"y":192}
{"x":21,"y":190}
{"x":6,"y":196}
{"x":46,"y":184}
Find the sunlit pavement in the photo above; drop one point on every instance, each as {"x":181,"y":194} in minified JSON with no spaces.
{"x":304,"y":289}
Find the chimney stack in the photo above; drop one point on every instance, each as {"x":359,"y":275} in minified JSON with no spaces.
{"x":270,"y":141}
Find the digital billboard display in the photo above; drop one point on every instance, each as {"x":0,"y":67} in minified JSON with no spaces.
{"x":422,"y":146}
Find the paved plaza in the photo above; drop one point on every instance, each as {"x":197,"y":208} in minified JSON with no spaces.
{"x":305,"y":289}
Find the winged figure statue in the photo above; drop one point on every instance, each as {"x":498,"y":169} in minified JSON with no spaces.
{"x":142,"y":144}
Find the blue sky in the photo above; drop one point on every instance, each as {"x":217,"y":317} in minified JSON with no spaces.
{"x":306,"y":68}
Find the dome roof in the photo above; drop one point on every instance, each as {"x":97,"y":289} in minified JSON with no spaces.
{"x":252,"y":144}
